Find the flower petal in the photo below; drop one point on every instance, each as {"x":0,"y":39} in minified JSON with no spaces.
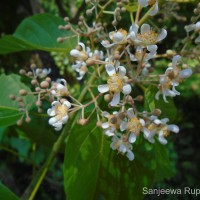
{"x":132,"y":138}
{"x":110,"y":69}
{"x":155,"y":10}
{"x":143,"y":3}
{"x":130,"y":155}
{"x":51,"y":112}
{"x":103,"y":88}
{"x":130,"y":113}
{"x":185,"y":73}
{"x":174,"y":128}
{"x":67,"y":103}
{"x":122,"y":71}
{"x":145,"y":28}
{"x":162,"y":35}
{"x":105,"y":125}
{"x":127,"y":89}
{"x":115,"y":100}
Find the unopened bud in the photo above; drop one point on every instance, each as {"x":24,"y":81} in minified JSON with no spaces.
{"x":37,"y":89}
{"x":22,"y":72}
{"x":99,"y":124}
{"x":19,"y":99}
{"x":34,"y":82}
{"x":23,"y":92}
{"x":38,"y":103}
{"x":107,"y":97}
{"x":33,"y":66}
{"x":129,"y":98}
{"x":139,"y":98}
{"x":89,"y":61}
{"x":169,"y":52}
{"x":88,"y":12}
{"x":83,"y":121}
{"x":20,"y":122}
{"x":44,"y":84}
{"x":157,"y":112}
{"x":12,"y":97}
{"x":48,"y":79}
{"x":30,"y":74}
{"x":28,"y":119}
{"x":60,"y":39}
{"x":66,"y":19}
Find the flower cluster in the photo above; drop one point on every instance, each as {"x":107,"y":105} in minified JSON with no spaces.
{"x":121,"y":62}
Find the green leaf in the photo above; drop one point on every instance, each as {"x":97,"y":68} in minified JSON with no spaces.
{"x":168,"y":109}
{"x":39,"y":32}
{"x":6,"y":194}
{"x":82,"y":161}
{"x":93,"y":171}
{"x":131,"y":6}
{"x":11,"y":84}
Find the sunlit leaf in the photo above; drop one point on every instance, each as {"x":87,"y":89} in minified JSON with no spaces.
{"x":6,"y":194}
{"x":39,"y":32}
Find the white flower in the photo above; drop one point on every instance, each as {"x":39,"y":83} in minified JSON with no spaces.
{"x":118,"y":37}
{"x":59,"y":88}
{"x":42,"y":73}
{"x":152,"y":3}
{"x":194,"y":27}
{"x":81,"y":56}
{"x":160,"y":128}
{"x":146,"y":38}
{"x":122,"y":144}
{"x":133,"y":125}
{"x":173,"y":75}
{"x":116,"y":83}
{"x":141,"y":55}
{"x":59,"y":114}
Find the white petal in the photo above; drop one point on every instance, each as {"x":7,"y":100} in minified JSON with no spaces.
{"x":127,"y":89}
{"x":197,"y":26}
{"x":162,"y":140}
{"x":132,"y":138}
{"x":122,"y":71}
{"x":82,"y":45}
{"x":155,"y":10}
{"x":103,"y":88}
{"x":115,"y":100}
{"x":162,"y":35}
{"x":173,"y":128}
{"x":143,"y":3}
{"x":58,"y":128}
{"x":146,"y":132}
{"x":190,"y":27}
{"x":185,"y":73}
{"x":134,"y":29}
{"x":123,"y":125}
{"x":130,"y":155}
{"x":109,"y":133}
{"x":105,"y":125}
{"x":142,"y":122}
{"x":197,"y":40}
{"x":130,"y":113}
{"x":52,"y":120}
{"x":67,"y":103}
{"x":110,"y":69}
{"x":75,"y":53}
{"x":176,"y":59}
{"x":122,"y":148}
{"x":164,"y":120}
{"x":65,"y":119}
{"x":105,"y":114}
{"x":152,"y":48}
{"x":157,"y":121}
{"x":51,"y":112}
{"x":145,"y":28}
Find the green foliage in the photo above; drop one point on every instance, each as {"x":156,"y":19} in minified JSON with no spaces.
{"x":11,"y":84}
{"x":6,"y":194}
{"x":38,"y":32}
{"x":92,"y":168}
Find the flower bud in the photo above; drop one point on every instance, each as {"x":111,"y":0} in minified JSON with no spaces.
{"x":37,"y":89}
{"x":48,"y":79}
{"x":28,"y":119}
{"x":99,"y":124}
{"x":157,"y":112}
{"x":20,"y":122}
{"x":59,"y":39}
{"x":44,"y":84}
{"x":38,"y":103}
{"x":12,"y":97}
{"x":139,"y":98}
{"x":83,"y":121}
{"x":33,"y":66}
{"x":107,"y":97}
{"x":34,"y":82}
{"x":22,"y":72}
{"x":23,"y":92}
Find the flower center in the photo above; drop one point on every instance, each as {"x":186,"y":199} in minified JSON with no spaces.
{"x":115,"y":83}
{"x":140,"y":55}
{"x":113,"y":121}
{"x":134,"y":125}
{"x":61,"y":111}
{"x":148,"y":38}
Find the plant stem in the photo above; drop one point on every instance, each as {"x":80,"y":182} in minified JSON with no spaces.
{"x":39,"y":177}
